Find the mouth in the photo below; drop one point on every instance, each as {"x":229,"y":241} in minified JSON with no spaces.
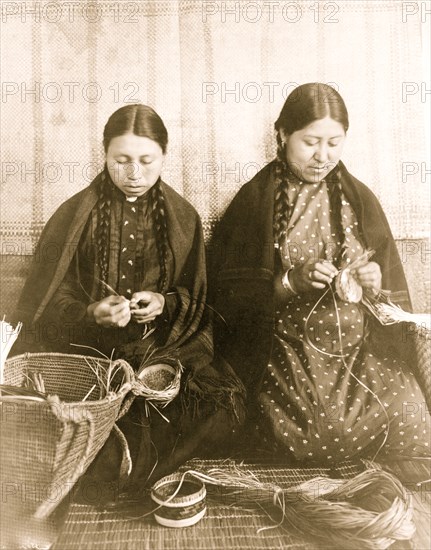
{"x":134,"y":187}
{"x":131,"y":191}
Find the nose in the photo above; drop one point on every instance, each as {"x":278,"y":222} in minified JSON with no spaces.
{"x":133,"y":171}
{"x":321,"y":154}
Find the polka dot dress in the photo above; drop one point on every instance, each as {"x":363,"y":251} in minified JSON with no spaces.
{"x":325,"y":396}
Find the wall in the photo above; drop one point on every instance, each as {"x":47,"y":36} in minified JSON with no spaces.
{"x":217,"y":73}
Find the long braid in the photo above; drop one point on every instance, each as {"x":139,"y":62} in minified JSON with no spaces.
{"x":282,"y":207}
{"x":158,"y":213}
{"x":305,"y":105}
{"x":335,"y":203}
{"x":102,"y":232}
{"x":281,"y":200}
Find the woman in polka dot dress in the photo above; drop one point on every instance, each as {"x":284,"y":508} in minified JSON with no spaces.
{"x":323,"y":381}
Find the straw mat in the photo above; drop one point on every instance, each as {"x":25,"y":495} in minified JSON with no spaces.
{"x":223,"y":527}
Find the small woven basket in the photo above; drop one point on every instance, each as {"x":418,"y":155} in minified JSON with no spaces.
{"x":159,"y":382}
{"x":180,"y":502}
{"x":47,"y":444}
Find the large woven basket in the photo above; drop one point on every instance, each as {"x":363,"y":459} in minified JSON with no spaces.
{"x":46,"y":445}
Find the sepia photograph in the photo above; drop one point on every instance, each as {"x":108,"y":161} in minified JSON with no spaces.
{"x":215,"y":275}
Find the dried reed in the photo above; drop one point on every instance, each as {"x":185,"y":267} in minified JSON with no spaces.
{"x":370,"y":511}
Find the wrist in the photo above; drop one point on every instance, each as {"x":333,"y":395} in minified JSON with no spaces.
{"x":90,"y":311}
{"x":74,"y":312}
{"x":287,"y":283}
{"x":162,"y":300}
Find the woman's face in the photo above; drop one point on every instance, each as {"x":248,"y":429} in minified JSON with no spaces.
{"x":315,"y":150}
{"x":134,"y":163}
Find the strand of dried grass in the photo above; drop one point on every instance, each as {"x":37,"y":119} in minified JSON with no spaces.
{"x":369,"y":511}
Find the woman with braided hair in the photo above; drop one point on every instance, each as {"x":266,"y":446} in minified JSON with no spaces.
{"x":323,"y":382}
{"x":130,"y":279}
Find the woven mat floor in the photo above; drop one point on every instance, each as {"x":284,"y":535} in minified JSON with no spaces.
{"x":224,"y":527}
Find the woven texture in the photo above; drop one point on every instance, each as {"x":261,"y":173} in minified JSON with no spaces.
{"x":218,"y":74}
{"x":46,"y":445}
{"x":233,"y":528}
{"x":223,"y":527}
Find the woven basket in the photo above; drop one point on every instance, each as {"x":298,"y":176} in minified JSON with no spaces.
{"x":47,"y":445}
{"x":162,"y":396}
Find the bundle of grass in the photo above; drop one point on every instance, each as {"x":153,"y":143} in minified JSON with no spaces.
{"x":388,"y":313}
{"x":369,"y":511}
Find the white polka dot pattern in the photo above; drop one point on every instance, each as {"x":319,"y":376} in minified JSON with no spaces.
{"x":311,"y":406}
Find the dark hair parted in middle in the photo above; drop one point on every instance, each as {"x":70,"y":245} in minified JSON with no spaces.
{"x":306,"y":104}
{"x":310,"y":102}
{"x":140,"y":120}
{"x":143,"y":121}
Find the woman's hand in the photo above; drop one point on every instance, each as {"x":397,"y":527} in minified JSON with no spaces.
{"x":112,"y":311}
{"x":312,"y":275}
{"x":146,"y":306}
{"x":369,"y":276}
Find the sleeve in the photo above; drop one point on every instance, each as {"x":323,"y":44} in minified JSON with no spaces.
{"x":67,"y":305}
{"x":171,"y":305}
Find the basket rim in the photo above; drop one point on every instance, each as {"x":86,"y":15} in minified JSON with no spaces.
{"x":178,"y":501}
{"x":109,"y":398}
{"x":157,"y":366}
{"x":53,"y":354}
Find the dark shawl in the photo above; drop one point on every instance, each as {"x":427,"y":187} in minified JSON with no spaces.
{"x":242,"y":263}
{"x":211,"y":399}
{"x":190,"y":333}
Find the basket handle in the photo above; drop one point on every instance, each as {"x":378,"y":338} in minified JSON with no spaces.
{"x":127,"y":386}
{"x":126,"y":460}
{"x":129,"y":374}
{"x":74,"y":423}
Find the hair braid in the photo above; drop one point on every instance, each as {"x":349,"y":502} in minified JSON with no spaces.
{"x":102,"y":233}
{"x":281,"y":201}
{"x":335,"y":204}
{"x":158,"y":214}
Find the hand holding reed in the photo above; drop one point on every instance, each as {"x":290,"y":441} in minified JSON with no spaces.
{"x":112,"y":311}
{"x":312,"y":275}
